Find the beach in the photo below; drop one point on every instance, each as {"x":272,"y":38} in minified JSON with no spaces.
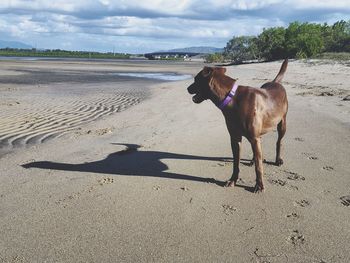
{"x":99,"y":167}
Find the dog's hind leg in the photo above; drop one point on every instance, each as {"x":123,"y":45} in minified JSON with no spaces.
{"x":259,"y":171}
{"x":236,"y":151}
{"x":281,"y":129}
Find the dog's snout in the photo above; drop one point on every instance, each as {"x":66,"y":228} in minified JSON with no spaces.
{"x":192,"y":89}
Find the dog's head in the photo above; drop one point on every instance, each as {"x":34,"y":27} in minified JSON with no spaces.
{"x":202,"y":87}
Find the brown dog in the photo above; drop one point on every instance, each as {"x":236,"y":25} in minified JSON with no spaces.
{"x":249,"y":112}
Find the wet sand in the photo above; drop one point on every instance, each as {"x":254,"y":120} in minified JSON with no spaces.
{"x":137,"y":184}
{"x":43,"y":100}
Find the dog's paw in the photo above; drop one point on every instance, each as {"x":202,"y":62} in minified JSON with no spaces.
{"x":259,"y":188}
{"x":230,"y":183}
{"x":279,"y":162}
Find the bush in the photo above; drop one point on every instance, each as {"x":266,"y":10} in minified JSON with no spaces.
{"x":305,"y":39}
{"x":239,"y":49}
{"x":214,"y":58}
{"x":271,"y":43}
{"x":301,"y":55}
{"x":298,"y":40}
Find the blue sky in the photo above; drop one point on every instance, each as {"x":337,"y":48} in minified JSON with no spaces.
{"x":145,"y":26}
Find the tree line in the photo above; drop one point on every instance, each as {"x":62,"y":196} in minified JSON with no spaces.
{"x":60,"y":53}
{"x":298,"y":40}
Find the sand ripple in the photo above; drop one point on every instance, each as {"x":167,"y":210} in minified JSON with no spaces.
{"x":44,"y":121}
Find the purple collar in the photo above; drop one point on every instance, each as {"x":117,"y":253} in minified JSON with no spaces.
{"x":228,"y":97}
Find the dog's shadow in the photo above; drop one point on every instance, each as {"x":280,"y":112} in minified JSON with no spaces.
{"x":132,"y":162}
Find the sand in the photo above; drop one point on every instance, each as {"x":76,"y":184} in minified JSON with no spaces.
{"x":91,"y":172}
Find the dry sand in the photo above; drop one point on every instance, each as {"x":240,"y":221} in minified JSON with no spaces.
{"x":115,"y":183}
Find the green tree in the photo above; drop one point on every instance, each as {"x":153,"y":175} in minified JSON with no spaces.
{"x":214,"y":58}
{"x":303,"y":40}
{"x":271,"y":43}
{"x":327,"y":35}
{"x":341,"y":35}
{"x":241,"y":48}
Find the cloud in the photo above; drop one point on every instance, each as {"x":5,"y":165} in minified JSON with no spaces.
{"x":155,"y":24}
{"x":195,"y":9}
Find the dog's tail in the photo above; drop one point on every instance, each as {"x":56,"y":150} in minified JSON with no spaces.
{"x":283,"y":69}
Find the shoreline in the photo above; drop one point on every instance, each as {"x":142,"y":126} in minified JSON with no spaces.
{"x":58,"y":101}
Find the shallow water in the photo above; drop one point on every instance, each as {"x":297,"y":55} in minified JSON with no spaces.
{"x":158,"y":76}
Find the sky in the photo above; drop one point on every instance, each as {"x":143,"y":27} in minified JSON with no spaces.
{"x":129,"y":26}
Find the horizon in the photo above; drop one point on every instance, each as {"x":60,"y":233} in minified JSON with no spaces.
{"x":135,"y":28}
{"x":27,"y":47}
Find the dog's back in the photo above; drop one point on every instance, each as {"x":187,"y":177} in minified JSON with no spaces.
{"x":261,"y":109}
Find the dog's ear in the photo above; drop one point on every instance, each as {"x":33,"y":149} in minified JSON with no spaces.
{"x":206,"y":72}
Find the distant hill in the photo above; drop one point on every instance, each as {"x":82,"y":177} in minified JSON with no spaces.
{"x":14,"y":44}
{"x":202,"y":50}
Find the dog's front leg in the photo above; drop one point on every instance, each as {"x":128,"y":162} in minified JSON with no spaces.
{"x":236,"y":151}
{"x":256,"y":147}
